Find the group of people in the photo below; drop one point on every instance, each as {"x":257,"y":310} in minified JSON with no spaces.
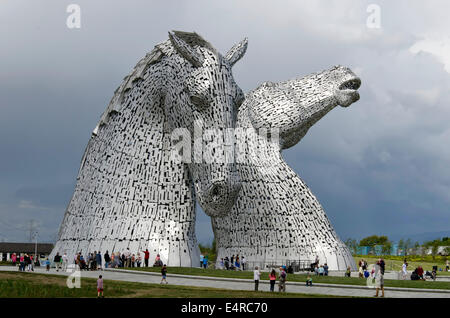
{"x":26,"y":262}
{"x":273,"y":278}
{"x":321,"y":270}
{"x":96,"y":261}
{"x":233,"y":263}
{"x":363,"y":266}
{"x":204,"y":259}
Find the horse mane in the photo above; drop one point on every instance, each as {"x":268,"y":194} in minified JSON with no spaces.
{"x":159,"y":51}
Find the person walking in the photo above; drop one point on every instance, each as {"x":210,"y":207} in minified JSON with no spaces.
{"x":273,"y":279}
{"x":146,"y":257}
{"x":100,"y":287}
{"x":282,"y":281}
{"x":379,"y":277}
{"x":256,"y":276}
{"x":404,"y":269}
{"x":164,"y":274}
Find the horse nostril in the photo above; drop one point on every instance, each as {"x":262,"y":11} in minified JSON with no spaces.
{"x":215,"y":190}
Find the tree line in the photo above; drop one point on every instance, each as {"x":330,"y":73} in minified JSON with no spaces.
{"x":406,"y":246}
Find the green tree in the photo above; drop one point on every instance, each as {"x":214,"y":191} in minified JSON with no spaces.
{"x":352,"y":244}
{"x":386,"y":249}
{"x":416,"y":248}
{"x":401,"y":246}
{"x":447,"y":251}
{"x":408,"y":245}
{"x":434,"y":245}
{"x":373,"y":240}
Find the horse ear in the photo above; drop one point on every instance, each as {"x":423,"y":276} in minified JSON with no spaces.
{"x":237,"y":52}
{"x":186,"y":51}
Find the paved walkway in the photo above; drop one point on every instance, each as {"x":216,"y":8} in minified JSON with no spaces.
{"x":246,"y":284}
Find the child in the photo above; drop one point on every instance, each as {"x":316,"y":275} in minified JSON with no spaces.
{"x":47,"y":264}
{"x":100,"y":286}
{"x":308,"y":280}
{"x":164,"y":274}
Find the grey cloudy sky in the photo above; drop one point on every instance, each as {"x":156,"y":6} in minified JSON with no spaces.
{"x":380,"y":166}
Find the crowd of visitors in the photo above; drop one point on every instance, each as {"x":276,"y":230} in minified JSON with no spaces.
{"x":237,"y":263}
{"x":90,"y":261}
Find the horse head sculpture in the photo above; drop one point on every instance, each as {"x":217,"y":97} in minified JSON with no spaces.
{"x":276,"y":218}
{"x":130,"y":193}
{"x":294,"y":106}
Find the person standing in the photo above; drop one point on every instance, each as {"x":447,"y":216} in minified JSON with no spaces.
{"x":256,"y":276}
{"x":65,"y":261}
{"x":21,"y":263}
{"x":146,"y":257}
{"x":128,"y":257}
{"x":227,"y":263}
{"x":282,"y":281}
{"x":98,"y":260}
{"x":273,"y":279}
{"x":243,"y":262}
{"x":138,"y":260}
{"x":107,"y":259}
{"x":205,"y":261}
{"x":379,"y":278}
{"x":31,"y":263}
{"x":164,"y":274}
{"x":325,"y":269}
{"x":100,"y":287}
{"x":27,"y":262}
{"x":123,"y":260}
{"x":201,"y":260}
{"x":447,"y":266}
{"x":14,"y":259}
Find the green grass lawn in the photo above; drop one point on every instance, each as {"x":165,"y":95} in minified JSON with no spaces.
{"x":296,"y":277}
{"x":15,"y":284}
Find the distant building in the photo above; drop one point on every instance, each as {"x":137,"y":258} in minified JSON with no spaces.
{"x":7,"y":249}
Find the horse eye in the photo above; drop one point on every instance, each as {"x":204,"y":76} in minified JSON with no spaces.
{"x":199,"y":102}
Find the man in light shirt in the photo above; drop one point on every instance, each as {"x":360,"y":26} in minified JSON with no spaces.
{"x":256,"y":275}
{"x":65,"y":261}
